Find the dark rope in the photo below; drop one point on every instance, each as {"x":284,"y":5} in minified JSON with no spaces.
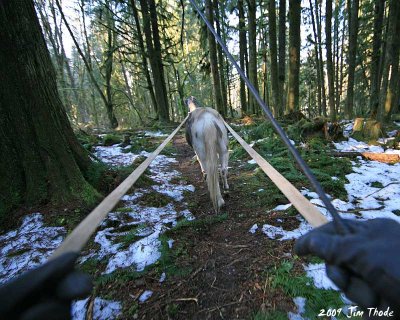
{"x":339,"y":224}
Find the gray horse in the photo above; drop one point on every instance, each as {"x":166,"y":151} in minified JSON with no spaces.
{"x":207,"y":135}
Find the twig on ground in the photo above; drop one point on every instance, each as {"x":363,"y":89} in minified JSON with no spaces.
{"x":188,"y":299}
{"x":394,"y":182}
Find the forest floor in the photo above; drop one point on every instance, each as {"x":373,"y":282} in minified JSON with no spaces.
{"x":163,"y":253}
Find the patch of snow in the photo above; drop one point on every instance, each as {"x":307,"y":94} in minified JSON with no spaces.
{"x":279,"y":233}
{"x":141,"y":253}
{"x":162,"y":278}
{"x":260,"y":190}
{"x":335,"y":178}
{"x":252,"y":161}
{"x":392,"y":134}
{"x":292,"y":142}
{"x":354,"y":145}
{"x":187,"y":214}
{"x":152,"y":221}
{"x":310,"y":194}
{"x":317,"y":272}
{"x":254,"y":228}
{"x":28,"y":246}
{"x":170,"y":243}
{"x":145,"y":296}
{"x":102,"y":309}
{"x":155,"y":134}
{"x":300,"y":303}
{"x":282,"y":207}
{"x":114,"y":156}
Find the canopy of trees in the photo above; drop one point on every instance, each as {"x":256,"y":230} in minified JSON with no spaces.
{"x":125,"y":62}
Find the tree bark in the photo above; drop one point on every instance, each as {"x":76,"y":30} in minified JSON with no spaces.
{"x":282,"y":52}
{"x":317,"y":61}
{"x":242,"y":54}
{"x":276,"y":92}
{"x":150,"y":29}
{"x":221,"y":59}
{"x":375,"y":59}
{"x":392,"y":61}
{"x":329,"y":61}
{"x":294,"y":55}
{"x":143,"y":56}
{"x":214,"y":62}
{"x":252,"y":52}
{"x":353,"y":31}
{"x":111,"y":35}
{"x":41,"y":161}
{"x":318,"y":19}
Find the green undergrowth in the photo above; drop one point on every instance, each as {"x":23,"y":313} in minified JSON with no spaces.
{"x":197,"y":224}
{"x":329,"y":171}
{"x":111,"y":139}
{"x":155,"y":199}
{"x":88,"y":141}
{"x":293,"y":285}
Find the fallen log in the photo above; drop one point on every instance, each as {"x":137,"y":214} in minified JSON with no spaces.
{"x":381,"y":157}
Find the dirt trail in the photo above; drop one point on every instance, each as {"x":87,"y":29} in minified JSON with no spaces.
{"x":227,"y":264}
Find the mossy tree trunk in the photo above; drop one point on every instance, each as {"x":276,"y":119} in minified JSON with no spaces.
{"x":294,"y":56}
{"x":217,"y":95}
{"x":252,"y":26}
{"x":242,"y":54}
{"x":41,"y":158}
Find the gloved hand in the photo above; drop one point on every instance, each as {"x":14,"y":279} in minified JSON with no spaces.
{"x":45,"y":292}
{"x":364,"y":264}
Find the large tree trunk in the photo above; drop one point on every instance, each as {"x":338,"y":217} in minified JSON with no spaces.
{"x":252,"y":52}
{"x":143,"y":56}
{"x":163,"y":107}
{"x":41,"y":159}
{"x":329,"y":61}
{"x":375,"y":59}
{"x":242,"y":54}
{"x":353,"y":31}
{"x":221,"y":59}
{"x":338,"y":4}
{"x":294,"y":55}
{"x":318,"y":16}
{"x":282,"y":52}
{"x":150,"y":29}
{"x":392,"y":61}
{"x":111,"y":35}
{"x":317,"y":61}
{"x":213,"y":61}
{"x":276,"y":92}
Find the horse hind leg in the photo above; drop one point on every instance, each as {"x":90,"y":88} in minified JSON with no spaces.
{"x":224,"y":157}
{"x":202,"y":162}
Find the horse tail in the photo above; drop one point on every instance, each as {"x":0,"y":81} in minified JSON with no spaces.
{"x":211,"y":142}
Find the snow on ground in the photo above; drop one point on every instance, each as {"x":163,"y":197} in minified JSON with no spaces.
{"x":32,"y":243}
{"x":102,"y":309}
{"x":155,"y":134}
{"x":373,"y":192}
{"x":114,"y":156}
{"x":300,"y":303}
{"x":145,"y":296}
{"x":352,"y":145}
{"x":28,"y":246}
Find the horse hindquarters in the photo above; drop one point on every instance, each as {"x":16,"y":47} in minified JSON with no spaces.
{"x":211,"y":164}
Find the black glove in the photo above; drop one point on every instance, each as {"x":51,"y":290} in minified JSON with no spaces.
{"x":364,"y":264}
{"x":45,"y":292}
